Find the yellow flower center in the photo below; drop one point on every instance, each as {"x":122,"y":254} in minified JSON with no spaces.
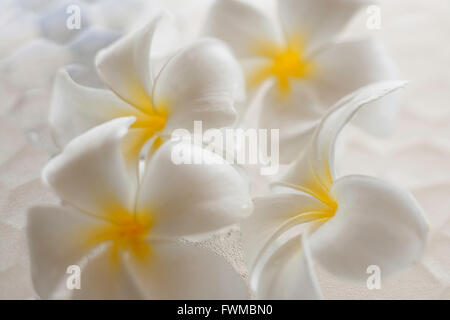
{"x":285,"y":64}
{"x":316,"y":216}
{"x":153,"y":120}
{"x":125,"y":232}
{"x":319,"y":216}
{"x":318,"y":188}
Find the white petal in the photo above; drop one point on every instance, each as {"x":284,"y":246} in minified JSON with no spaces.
{"x":376,"y":224}
{"x":74,"y":109}
{"x":203,"y":82}
{"x":101,"y":280}
{"x":272,"y":216}
{"x":295,"y":116}
{"x":314,"y":169}
{"x":317,"y":21}
{"x":125,"y":66}
{"x":243,"y":27}
{"x":179,"y":271}
{"x":346,"y":66}
{"x":55,"y":243}
{"x":192,"y":198}
{"x":288,"y":272}
{"x":91,"y":173}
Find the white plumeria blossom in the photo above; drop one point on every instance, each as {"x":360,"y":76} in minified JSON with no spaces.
{"x":123,"y":231}
{"x":201,"y":82}
{"x":308,"y":70}
{"x":345,"y":223}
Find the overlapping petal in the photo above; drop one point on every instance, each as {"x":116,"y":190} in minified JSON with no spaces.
{"x":92,"y":174}
{"x":55,"y":242}
{"x":125,"y":67}
{"x":242,"y":26}
{"x":376,"y":224}
{"x":317,"y":21}
{"x":295,"y":116}
{"x":314,"y":170}
{"x":348,"y":65}
{"x":75,"y":108}
{"x":202,"y":82}
{"x":101,"y":281}
{"x":272,"y":216}
{"x":192,"y":198}
{"x":179,"y":271}
{"x":289,"y":272}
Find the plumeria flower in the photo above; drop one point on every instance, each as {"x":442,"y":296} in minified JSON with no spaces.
{"x":305,"y":68}
{"x":346,"y":224}
{"x":201,"y":82}
{"x":123,"y":233}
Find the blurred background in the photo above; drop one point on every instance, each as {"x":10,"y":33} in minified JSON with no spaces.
{"x":36,"y":39}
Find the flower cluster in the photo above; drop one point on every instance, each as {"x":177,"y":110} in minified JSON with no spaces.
{"x":126,"y":207}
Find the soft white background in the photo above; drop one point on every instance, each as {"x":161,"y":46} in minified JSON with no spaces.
{"x":416,"y":157}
